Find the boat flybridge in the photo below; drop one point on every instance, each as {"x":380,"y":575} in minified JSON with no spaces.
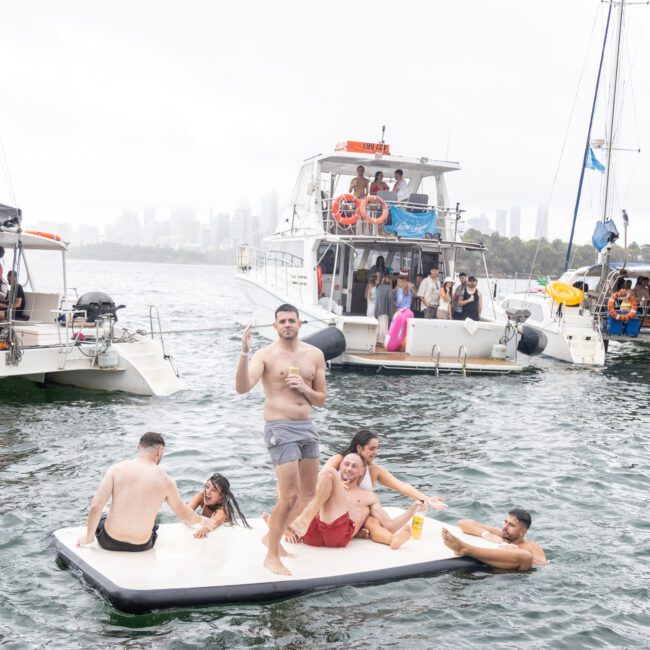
{"x":327,"y":241}
{"x":75,"y":341}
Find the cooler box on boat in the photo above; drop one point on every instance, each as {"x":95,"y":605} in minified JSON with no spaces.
{"x":622,"y":328}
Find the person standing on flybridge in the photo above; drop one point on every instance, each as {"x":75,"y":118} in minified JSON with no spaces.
{"x":293,"y":377}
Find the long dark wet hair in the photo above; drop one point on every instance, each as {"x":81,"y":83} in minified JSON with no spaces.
{"x":361,"y":438}
{"x":227,"y":500}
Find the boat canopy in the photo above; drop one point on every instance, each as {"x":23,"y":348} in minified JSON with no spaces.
{"x":346,"y":163}
{"x":30,"y":241}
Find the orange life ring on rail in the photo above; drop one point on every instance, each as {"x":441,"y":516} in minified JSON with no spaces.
{"x":47,"y":235}
{"x":376,"y":221}
{"x":319,"y":276}
{"x":338,"y":214}
{"x":611,"y":305}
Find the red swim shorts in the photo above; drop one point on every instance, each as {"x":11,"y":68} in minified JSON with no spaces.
{"x":336,"y":534}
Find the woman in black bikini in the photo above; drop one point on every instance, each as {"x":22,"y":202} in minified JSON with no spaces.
{"x":217,"y":503}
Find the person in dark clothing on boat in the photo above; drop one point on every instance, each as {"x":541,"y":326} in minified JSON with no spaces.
{"x":15,"y":295}
{"x":471,"y":301}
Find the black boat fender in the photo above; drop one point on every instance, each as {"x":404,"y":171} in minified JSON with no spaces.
{"x":330,"y":341}
{"x":531,"y":342}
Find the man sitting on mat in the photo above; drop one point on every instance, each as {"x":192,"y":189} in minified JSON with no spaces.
{"x":137,"y":488}
{"x":513,"y":552}
{"x":341,"y":510}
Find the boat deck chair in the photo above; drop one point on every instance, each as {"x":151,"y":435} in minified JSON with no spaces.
{"x":416,"y":200}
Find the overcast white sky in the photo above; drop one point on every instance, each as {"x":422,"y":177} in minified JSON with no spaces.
{"x":121,"y":105}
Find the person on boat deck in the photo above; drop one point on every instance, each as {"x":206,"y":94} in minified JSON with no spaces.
{"x":366,"y":444}
{"x":341,"y":510}
{"x":359,"y":184}
{"x":378,"y":185}
{"x":628,"y":285}
{"x":416,"y":307}
{"x":642,"y":291}
{"x":217,"y":503}
{"x":401,"y":187}
{"x":380,"y":267}
{"x":371,"y":294}
{"x":3,"y":285}
{"x":429,"y":293}
{"x":446,"y":293}
{"x":471,"y":301}
{"x":513,"y":550}
{"x":137,"y":489}
{"x":456,"y":309}
{"x":15,"y":295}
{"x":384,"y":308}
{"x":404,"y":291}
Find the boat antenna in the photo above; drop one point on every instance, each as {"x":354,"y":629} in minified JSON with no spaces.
{"x":567,"y":259}
{"x":383,"y":131}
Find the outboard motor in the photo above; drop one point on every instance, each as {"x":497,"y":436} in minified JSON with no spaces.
{"x":96,"y":304}
{"x":330,"y":341}
{"x":532,"y":341}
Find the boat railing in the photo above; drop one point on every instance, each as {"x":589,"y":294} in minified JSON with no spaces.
{"x":281,"y":270}
{"x":445,"y":219}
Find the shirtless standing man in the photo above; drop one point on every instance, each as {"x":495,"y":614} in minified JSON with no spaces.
{"x":514,"y":551}
{"x":289,"y":433}
{"x":341,"y":510}
{"x":359,"y":184}
{"x":137,"y":488}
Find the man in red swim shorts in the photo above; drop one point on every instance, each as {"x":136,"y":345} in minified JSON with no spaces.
{"x":340,"y":508}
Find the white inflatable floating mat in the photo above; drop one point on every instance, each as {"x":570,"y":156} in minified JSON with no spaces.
{"x":226,"y":566}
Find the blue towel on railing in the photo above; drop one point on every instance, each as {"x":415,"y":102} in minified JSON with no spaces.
{"x":416,"y":225}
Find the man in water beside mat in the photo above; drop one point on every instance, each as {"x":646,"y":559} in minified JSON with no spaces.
{"x":341,"y":510}
{"x":514,"y":551}
{"x":137,"y":489}
{"x":293,"y":377}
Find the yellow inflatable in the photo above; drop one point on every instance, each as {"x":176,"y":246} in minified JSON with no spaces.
{"x":562,"y":292}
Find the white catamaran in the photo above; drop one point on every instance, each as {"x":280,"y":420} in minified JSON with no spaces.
{"x":327,"y":242}
{"x":55,"y":336}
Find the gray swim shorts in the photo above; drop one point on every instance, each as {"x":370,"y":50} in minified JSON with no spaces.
{"x":289,"y":440}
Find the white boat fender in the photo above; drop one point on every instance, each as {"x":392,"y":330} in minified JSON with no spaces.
{"x":109,"y":358}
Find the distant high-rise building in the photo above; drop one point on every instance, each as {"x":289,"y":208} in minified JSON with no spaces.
{"x":481,"y":223}
{"x":240,"y":226}
{"x":269,"y":213}
{"x":88,"y":234}
{"x":185,"y":227}
{"x":220,"y":229}
{"x":150,"y":227}
{"x":515,"y":221}
{"x":541,"y":225}
{"x":502,"y":222}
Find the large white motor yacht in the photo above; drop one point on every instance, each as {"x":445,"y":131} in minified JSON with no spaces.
{"x":76,"y":341}
{"x":325,"y":245}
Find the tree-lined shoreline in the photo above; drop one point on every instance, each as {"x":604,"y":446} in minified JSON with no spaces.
{"x":505,"y":255}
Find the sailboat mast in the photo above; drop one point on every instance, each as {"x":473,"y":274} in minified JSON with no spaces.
{"x":612,"y":114}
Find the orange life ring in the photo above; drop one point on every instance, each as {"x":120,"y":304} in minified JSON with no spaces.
{"x":376,"y":221}
{"x":339,"y":216}
{"x":622,"y":295}
{"x":47,"y":235}
{"x":319,"y":276}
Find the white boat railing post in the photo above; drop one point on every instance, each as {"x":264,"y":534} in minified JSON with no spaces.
{"x":462,"y":351}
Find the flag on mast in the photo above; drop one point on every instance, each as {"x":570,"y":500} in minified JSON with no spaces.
{"x":591,"y":162}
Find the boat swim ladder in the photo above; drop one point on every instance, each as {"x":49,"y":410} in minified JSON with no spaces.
{"x":462,"y":352}
{"x":435,"y":356}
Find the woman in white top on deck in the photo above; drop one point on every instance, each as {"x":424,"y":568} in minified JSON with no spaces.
{"x":366,"y":444}
{"x":446,"y":293}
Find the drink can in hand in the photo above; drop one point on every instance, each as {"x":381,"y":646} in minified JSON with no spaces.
{"x":294,"y":370}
